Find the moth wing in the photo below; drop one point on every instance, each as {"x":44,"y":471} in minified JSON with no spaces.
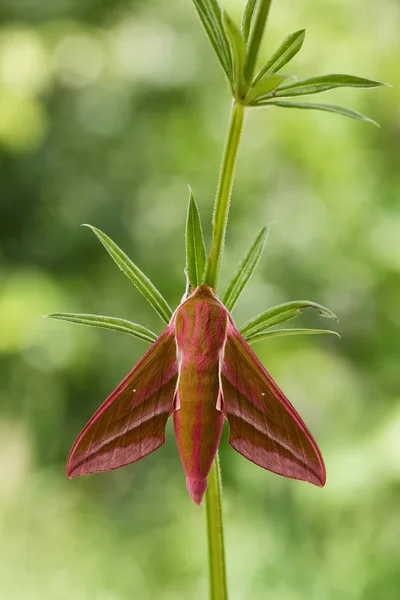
{"x":131,"y":423}
{"x":264,"y":426}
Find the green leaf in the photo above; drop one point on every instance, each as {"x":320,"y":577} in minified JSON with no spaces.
{"x":143,"y":284}
{"x":210,"y":14}
{"x":286,"y":51}
{"x":333,"y":108}
{"x":238,"y":48}
{"x":281,"y":313}
{"x":113,"y":323}
{"x":259,"y":20}
{"x":245,"y":270}
{"x":250,"y":339}
{"x":248,"y":15}
{"x":315,"y":85}
{"x":263,"y":87}
{"x":195,"y":249}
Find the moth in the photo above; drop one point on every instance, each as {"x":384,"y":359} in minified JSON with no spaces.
{"x":200,"y":371}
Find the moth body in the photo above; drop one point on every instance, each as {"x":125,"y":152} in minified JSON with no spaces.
{"x":200,"y":329}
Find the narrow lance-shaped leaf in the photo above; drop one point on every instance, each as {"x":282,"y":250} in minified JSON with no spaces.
{"x":248,"y":15}
{"x":238,"y":48}
{"x":113,"y":323}
{"x":251,"y":339}
{"x":264,"y":87}
{"x":323,"y":83}
{"x":260,"y":17}
{"x":245,"y":270}
{"x":286,"y":51}
{"x":139,"y":279}
{"x":195,"y":249}
{"x":332,"y":108}
{"x":280,"y":314}
{"x":210,"y":14}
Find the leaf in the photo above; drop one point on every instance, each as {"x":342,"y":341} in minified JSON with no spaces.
{"x":286,"y":51}
{"x":248,"y":15}
{"x":264,"y":87}
{"x":251,"y":339}
{"x":139,"y":279}
{"x":210,"y":14}
{"x":195,"y":249}
{"x":259,"y":20}
{"x":113,"y":323}
{"x":281,"y":313}
{"x":238,"y":48}
{"x":322,"y":83}
{"x":245,"y":270}
{"x":333,"y":108}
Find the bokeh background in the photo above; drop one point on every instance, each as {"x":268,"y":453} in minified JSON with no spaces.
{"x":108,"y":110}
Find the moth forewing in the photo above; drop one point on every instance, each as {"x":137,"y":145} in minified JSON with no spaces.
{"x":264,"y":427}
{"x":131,"y":423}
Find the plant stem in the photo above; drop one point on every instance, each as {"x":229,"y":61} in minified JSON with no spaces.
{"x":255,"y":38}
{"x":223,"y":197}
{"x":215,"y":531}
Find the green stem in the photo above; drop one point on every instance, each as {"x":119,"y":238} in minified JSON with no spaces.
{"x":255,"y":38}
{"x":215,"y":531}
{"x":223,"y":197}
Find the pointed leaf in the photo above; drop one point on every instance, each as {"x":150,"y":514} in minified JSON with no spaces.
{"x":333,"y":108}
{"x":259,"y":91}
{"x":245,"y":270}
{"x":210,"y":14}
{"x":195,"y":249}
{"x":139,"y":279}
{"x":280,"y":314}
{"x":251,"y":339}
{"x":260,"y":17}
{"x":248,"y":15}
{"x":286,"y":51}
{"x":113,"y":323}
{"x":238,"y":48}
{"x":315,"y":85}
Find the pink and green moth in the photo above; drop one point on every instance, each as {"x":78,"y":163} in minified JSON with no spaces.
{"x":200,"y":371}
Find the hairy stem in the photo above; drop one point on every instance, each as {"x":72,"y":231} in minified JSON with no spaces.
{"x":215,"y":532}
{"x":223,"y":197}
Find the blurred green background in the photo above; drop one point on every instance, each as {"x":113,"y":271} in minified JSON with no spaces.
{"x":107,"y":111}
